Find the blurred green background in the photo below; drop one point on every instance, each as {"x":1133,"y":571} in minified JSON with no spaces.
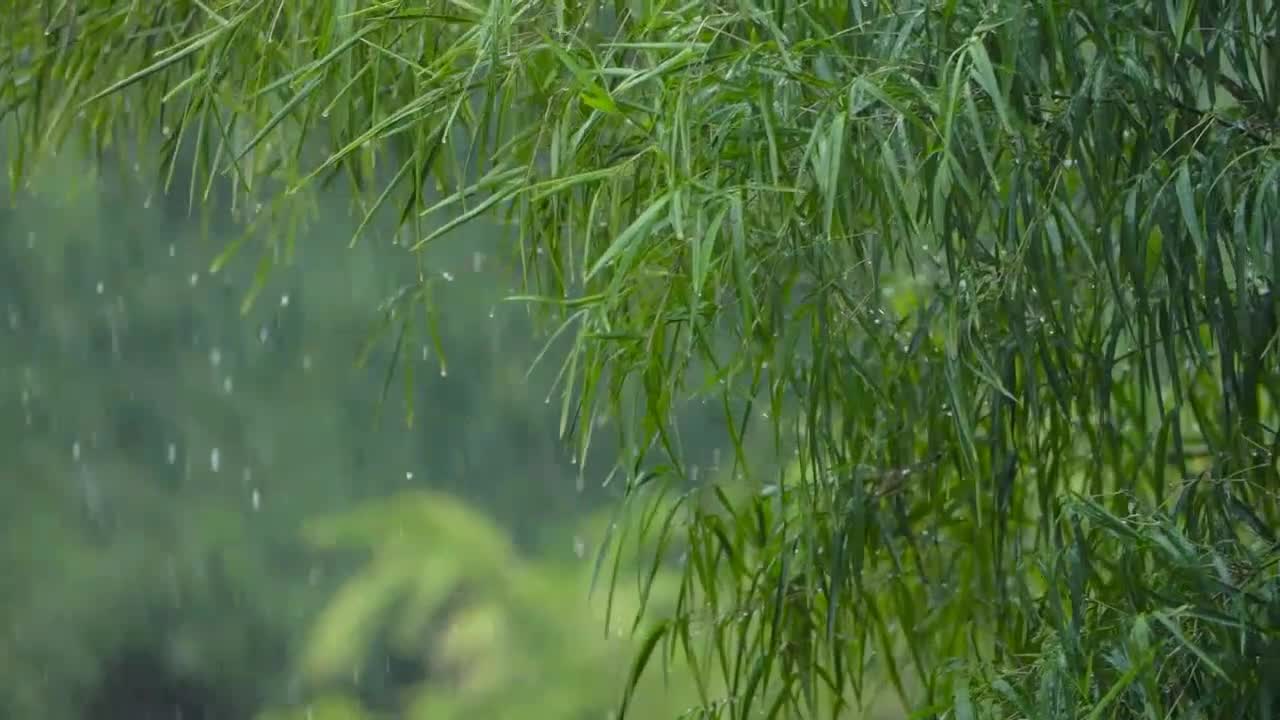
{"x":210,"y":515}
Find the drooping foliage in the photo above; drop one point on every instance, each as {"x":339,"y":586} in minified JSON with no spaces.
{"x":968,"y":262}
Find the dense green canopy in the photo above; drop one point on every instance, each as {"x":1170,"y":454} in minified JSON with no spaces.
{"x":995,"y":276}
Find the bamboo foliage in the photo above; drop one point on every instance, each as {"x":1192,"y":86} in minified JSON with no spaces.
{"x":965,"y":261}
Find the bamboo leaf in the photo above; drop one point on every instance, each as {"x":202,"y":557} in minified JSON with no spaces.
{"x":625,"y":241}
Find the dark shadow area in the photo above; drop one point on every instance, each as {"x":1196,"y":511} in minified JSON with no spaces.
{"x":139,"y":685}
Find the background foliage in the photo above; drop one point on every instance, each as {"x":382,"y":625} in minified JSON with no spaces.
{"x":163,"y":454}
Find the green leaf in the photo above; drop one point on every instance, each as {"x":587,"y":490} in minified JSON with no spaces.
{"x":985,"y":75}
{"x":1187,"y":204}
{"x":639,"y":664}
{"x":623,"y":244}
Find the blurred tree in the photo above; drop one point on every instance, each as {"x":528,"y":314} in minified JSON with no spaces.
{"x":162,"y":449}
{"x":445,"y":621}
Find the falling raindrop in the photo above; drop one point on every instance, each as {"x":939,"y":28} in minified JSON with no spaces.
{"x":101,"y":287}
{"x":444,"y":372}
{"x":173,"y":251}
{"x":408,"y":475}
{"x":173,"y":453}
{"x":195,"y":278}
{"x":284,"y":300}
{"x":226,"y":384}
{"x":263,"y":334}
{"x":146,"y":204}
{"x":448,"y":276}
{"x":306,"y":362}
{"x":579,"y":547}
{"x":31,"y":239}
{"x":255,"y":499}
{"x":75,"y":451}
{"x":215,"y":357}
{"x":215,"y":459}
